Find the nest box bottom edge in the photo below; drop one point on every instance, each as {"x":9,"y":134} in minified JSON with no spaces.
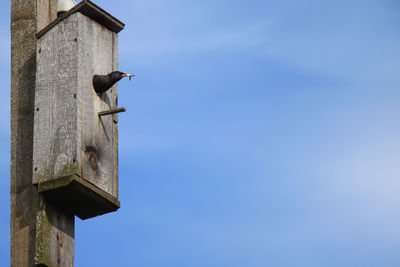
{"x":78,"y":197}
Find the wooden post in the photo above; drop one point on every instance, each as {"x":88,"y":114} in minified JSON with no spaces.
{"x":41,"y":233}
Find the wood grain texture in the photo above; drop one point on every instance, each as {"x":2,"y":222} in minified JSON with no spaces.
{"x":78,"y":196}
{"x":99,"y":56}
{"x":90,"y":10}
{"x":53,"y":243}
{"x":70,"y":138}
{"x":28,"y":17}
{"x":55,"y":124}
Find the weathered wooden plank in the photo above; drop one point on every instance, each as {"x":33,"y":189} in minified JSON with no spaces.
{"x":27,"y":17}
{"x":65,"y":192}
{"x":55,"y":150}
{"x":53,"y":243}
{"x":115,"y":119}
{"x":70,"y":138}
{"x":98,"y":165}
{"x":90,"y":10}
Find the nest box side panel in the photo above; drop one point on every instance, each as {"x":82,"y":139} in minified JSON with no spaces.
{"x":55,"y":122}
{"x":114,"y":95}
{"x":99,"y":134}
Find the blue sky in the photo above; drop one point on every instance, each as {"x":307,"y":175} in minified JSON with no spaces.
{"x":258,"y":133}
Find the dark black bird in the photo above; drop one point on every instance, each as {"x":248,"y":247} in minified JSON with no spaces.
{"x":101,"y":83}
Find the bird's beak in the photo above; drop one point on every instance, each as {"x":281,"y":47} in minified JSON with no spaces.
{"x":128,"y":75}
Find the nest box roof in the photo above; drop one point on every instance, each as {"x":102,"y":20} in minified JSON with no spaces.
{"x":92,"y":11}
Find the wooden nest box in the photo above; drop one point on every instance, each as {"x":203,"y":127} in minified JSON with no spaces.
{"x":75,"y":151}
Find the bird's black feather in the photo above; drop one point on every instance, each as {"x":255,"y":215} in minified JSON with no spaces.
{"x":101,"y":83}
